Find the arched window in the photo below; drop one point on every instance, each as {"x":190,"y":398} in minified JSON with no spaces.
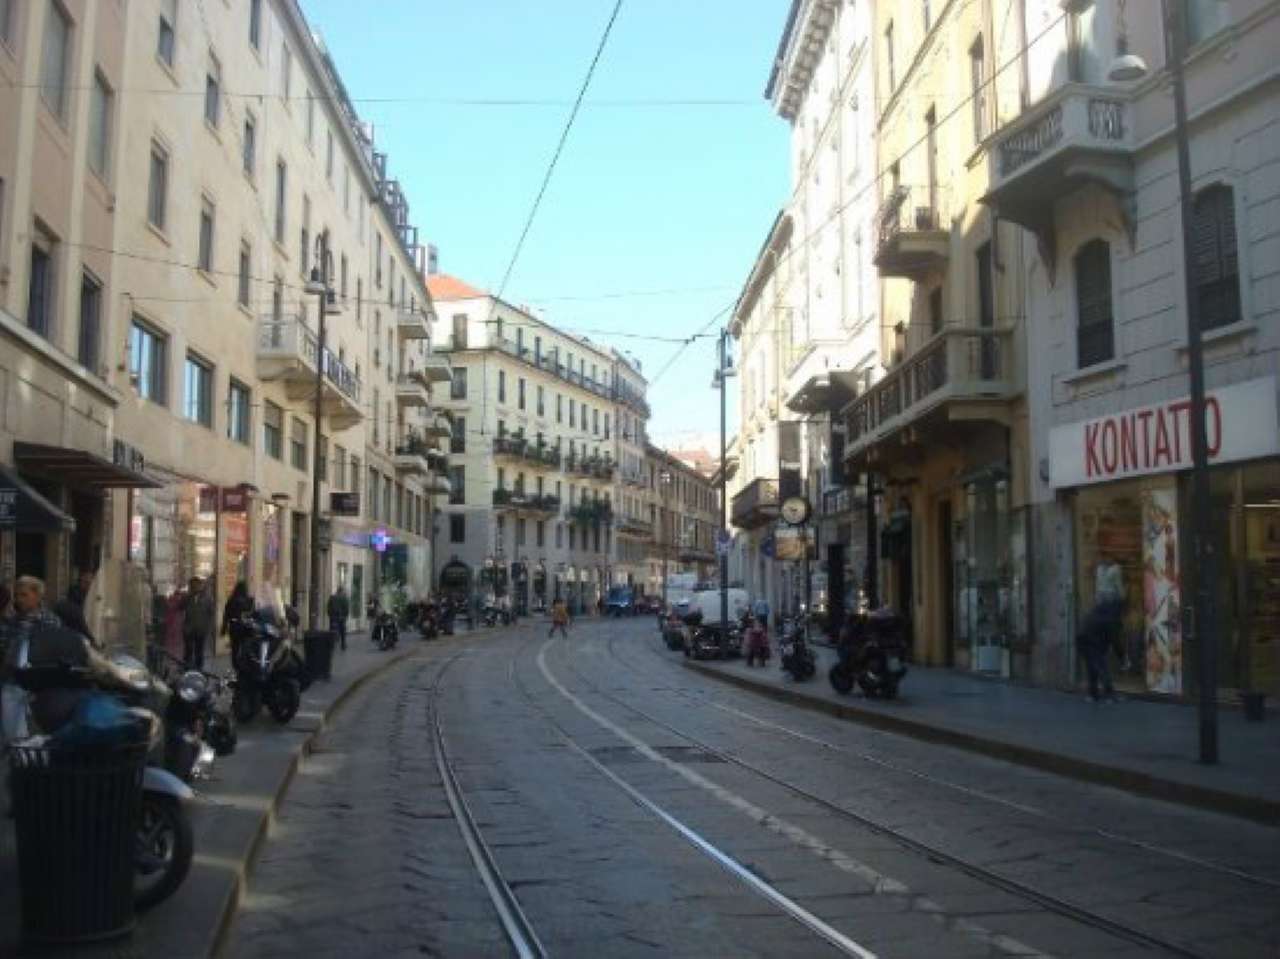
{"x":1095,"y":323}
{"x":1215,"y":268}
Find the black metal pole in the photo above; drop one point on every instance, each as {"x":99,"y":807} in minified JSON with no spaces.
{"x":723,"y":555}
{"x":1202,"y":614}
{"x":872,"y":566}
{"x":313,"y":595}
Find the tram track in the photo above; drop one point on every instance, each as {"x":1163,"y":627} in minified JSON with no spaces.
{"x":930,"y":852}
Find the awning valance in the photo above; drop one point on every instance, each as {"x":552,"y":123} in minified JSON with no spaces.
{"x":78,"y":467}
{"x":26,"y":511}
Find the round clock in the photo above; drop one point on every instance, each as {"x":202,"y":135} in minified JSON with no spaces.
{"x":795,"y":510}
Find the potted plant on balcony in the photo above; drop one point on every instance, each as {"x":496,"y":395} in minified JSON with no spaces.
{"x":501,"y":497}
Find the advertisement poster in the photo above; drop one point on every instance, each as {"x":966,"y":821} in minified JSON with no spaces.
{"x":1162,"y":596}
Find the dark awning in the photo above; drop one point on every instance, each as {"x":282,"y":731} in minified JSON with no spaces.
{"x":25,"y":510}
{"x":78,"y":467}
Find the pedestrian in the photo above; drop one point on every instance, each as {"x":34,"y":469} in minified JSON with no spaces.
{"x":757,"y":641}
{"x":197,"y":623}
{"x":174,"y":606}
{"x":600,"y":605}
{"x":78,"y":594}
{"x":71,"y":609}
{"x":29,"y":615}
{"x":559,"y":619}
{"x":238,"y":605}
{"x":339,"y":611}
{"x":1102,"y":626}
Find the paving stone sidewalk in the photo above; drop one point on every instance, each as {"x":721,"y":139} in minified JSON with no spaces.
{"x":1145,"y":747}
{"x":230,"y":818}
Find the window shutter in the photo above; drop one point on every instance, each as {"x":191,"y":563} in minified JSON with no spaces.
{"x":1205,"y":237}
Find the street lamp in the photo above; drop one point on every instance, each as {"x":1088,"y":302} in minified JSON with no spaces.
{"x":665,"y":479}
{"x":724,"y":370}
{"x":326,"y":305}
{"x":1203,"y":613}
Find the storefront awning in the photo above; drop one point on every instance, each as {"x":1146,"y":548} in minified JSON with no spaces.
{"x":78,"y":467}
{"x":26,"y":511}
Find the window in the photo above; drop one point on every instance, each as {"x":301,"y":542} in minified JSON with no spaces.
{"x":888,"y":53}
{"x":342,"y":277}
{"x":204,"y":253}
{"x":542,"y":400}
{"x":520,"y":531}
{"x":277,"y":299}
{"x":158,"y":187}
{"x":298,"y":444}
{"x":6,"y":21}
{"x":311,"y":121}
{"x":559,"y":535}
{"x":339,"y":466}
{"x":90,"y":340}
{"x":935,"y":310}
{"x":457,"y":528}
{"x":606,"y":425}
{"x":238,"y":412}
{"x":559,"y":407}
{"x":328,"y":158}
{"x":54,"y":64}
{"x":540,"y":537}
{"x":100,"y":101}
{"x":165,"y":35}
{"x":197,"y":391}
{"x":458,"y":439}
{"x":324,"y":458}
{"x":286,"y":72}
{"x":346,"y":189}
{"x":459,"y":331}
{"x":255,"y":24}
{"x":282,"y":182}
{"x":520,"y":393}
{"x":1202,"y":20}
{"x":41,"y":285}
{"x":595,"y":421}
{"x":1094,"y":321}
{"x":147,"y":361}
{"x":978,"y":81}
{"x":377,"y":260}
{"x":537,"y":350}
{"x":304,"y":245}
{"x":213,"y":93}
{"x":928,"y":15}
{"x":573,"y":421}
{"x":502,"y":386}
{"x":372,"y":493}
{"x":272,"y":430}
{"x":377,"y":402}
{"x":457,"y":485}
{"x":1217,"y":269}
{"x":250,"y":145}
{"x":242,"y":285}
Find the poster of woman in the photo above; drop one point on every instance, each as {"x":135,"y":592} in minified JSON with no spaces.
{"x":1161,"y":590}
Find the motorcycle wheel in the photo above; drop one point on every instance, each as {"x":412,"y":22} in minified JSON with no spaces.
{"x":163,"y":848}
{"x":284,"y":700}
{"x":841,"y":679}
{"x":245,"y":704}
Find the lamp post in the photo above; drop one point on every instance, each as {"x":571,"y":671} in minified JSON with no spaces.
{"x":724,"y":370}
{"x":665,"y":479}
{"x":1203,"y":613}
{"x":318,"y":285}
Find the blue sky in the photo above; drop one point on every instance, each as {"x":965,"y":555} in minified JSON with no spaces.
{"x":645,"y":197}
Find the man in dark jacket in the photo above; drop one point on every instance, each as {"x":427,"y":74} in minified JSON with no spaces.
{"x":339,"y":612}
{"x":197,"y":623}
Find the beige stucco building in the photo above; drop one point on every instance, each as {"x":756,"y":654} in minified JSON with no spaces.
{"x":175,"y":235}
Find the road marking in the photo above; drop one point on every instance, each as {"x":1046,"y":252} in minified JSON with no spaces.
{"x":880,"y":883}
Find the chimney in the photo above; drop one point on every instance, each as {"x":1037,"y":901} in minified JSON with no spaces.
{"x":433,"y":260}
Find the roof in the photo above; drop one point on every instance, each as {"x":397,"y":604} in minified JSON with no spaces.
{"x":442,"y":286}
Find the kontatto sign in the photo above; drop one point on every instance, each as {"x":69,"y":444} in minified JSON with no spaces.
{"x":1240,"y":423}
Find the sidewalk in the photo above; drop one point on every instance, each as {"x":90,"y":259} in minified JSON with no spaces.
{"x":1144,"y":747}
{"x":230,"y":817}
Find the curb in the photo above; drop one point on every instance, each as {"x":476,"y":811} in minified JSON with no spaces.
{"x":1257,"y":809}
{"x":231,"y":904}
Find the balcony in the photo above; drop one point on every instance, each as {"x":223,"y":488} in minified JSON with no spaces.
{"x":411,"y":390}
{"x":634,"y":526}
{"x":521,"y":502}
{"x":288,"y":351}
{"x":962,"y":374}
{"x":1077,"y":135}
{"x":435,"y":369}
{"x":437,"y":484}
{"x":755,"y":505}
{"x":517,"y":447}
{"x":592,"y":513}
{"x":438,"y":428}
{"x":413,"y":455}
{"x":590,"y":467}
{"x":412,"y":325}
{"x":914,"y":232}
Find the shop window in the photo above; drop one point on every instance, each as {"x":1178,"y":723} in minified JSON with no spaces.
{"x":1216,"y":267}
{"x":1095,"y":324}
{"x":457,"y":528}
{"x":272,"y":430}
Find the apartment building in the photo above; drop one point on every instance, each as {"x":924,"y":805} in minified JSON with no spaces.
{"x":189,"y":302}
{"x":633,"y":522}
{"x":534,"y":452}
{"x":1085,"y":165}
{"x":808,"y":319}
{"x":684,"y":516}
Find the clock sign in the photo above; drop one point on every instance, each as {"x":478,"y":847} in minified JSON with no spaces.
{"x":795,"y":510}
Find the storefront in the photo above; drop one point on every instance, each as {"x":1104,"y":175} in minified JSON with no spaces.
{"x":1126,"y":477}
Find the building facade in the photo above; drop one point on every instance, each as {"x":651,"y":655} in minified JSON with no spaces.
{"x":534,"y":453}
{"x":684,"y":511}
{"x":1086,"y":166}
{"x":189,"y":303}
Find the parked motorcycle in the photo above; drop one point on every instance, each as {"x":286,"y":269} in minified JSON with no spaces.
{"x":871,"y":655}
{"x":198,"y":726}
{"x":796,"y":657}
{"x":268,"y":670}
{"x":164,"y":844}
{"x":385,"y":631}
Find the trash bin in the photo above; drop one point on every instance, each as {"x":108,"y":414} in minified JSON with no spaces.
{"x":1255,"y":706}
{"x":76,"y":816}
{"x":318,"y":645}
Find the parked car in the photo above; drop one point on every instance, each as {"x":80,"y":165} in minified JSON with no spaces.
{"x":620,"y":601}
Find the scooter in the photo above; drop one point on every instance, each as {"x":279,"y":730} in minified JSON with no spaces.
{"x":872,"y":657}
{"x":268,"y":670}
{"x":795,"y":655}
{"x":164,"y":844}
{"x":385,"y":632}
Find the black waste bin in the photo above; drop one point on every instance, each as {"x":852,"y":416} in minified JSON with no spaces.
{"x":76,"y":817}
{"x":318,"y":645}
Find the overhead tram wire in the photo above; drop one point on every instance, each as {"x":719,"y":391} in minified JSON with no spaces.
{"x":542,"y":190}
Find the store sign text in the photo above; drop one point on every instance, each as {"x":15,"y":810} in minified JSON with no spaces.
{"x":1240,"y":423}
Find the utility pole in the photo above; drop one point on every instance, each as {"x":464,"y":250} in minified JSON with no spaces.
{"x":664,"y":481}
{"x":722,"y":374}
{"x":319,"y":285}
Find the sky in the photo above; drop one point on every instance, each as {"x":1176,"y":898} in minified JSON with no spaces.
{"x":671,"y":176}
